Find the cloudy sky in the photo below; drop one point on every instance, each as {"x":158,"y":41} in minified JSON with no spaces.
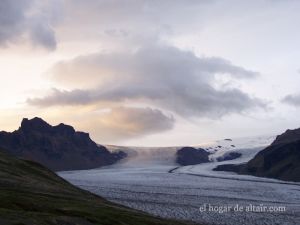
{"x":149,"y":72}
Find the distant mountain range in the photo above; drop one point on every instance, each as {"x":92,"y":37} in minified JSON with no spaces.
{"x":210,"y":152}
{"x":56,"y":147}
{"x":280,"y":160}
{"x":62,"y":148}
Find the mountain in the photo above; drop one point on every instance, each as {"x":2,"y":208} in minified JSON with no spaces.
{"x":287,"y":137}
{"x":217,"y":151}
{"x":191,"y":156}
{"x":57,"y":147}
{"x":280,"y":160}
{"x":228,"y":156}
{"x":30,"y":194}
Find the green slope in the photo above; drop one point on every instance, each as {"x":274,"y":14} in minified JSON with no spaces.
{"x":31,"y":194}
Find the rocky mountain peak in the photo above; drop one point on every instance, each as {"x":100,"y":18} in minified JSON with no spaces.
{"x":35,"y":124}
{"x":287,"y":137}
{"x":64,"y":129}
{"x":58,"y":147}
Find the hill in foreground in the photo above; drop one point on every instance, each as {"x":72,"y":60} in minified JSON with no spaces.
{"x":30,"y":194}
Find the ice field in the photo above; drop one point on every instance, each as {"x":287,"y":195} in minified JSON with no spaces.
{"x":195,"y":193}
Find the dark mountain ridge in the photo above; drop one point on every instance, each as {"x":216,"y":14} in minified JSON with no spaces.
{"x":57,"y":147}
{"x":287,"y":137}
{"x":280,"y":160}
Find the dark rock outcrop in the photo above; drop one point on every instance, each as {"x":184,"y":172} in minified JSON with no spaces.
{"x":280,"y":160}
{"x":57,"y":147}
{"x":287,"y":137}
{"x":229,"y":167}
{"x":191,"y":156}
{"x":229,"y":156}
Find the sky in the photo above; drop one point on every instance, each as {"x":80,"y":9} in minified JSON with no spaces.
{"x":149,"y":72}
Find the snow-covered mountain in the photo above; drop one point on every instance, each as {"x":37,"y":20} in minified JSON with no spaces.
{"x":247,"y":147}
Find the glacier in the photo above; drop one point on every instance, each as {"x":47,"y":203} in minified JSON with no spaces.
{"x":151,"y":181}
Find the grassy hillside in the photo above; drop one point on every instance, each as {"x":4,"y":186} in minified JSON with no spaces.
{"x":31,"y":194}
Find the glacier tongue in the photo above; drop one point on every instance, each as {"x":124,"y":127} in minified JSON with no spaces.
{"x":150,"y":156}
{"x":144,"y":182}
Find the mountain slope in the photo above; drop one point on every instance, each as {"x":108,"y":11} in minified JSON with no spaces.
{"x":33,"y":195}
{"x":277,"y":161}
{"x":57,"y":147}
{"x":280,"y":160}
{"x":191,"y":156}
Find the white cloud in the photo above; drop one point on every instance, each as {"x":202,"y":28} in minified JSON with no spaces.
{"x":159,"y":75}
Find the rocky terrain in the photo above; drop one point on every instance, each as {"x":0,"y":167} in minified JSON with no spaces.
{"x":228,"y":156}
{"x":56,"y":147}
{"x":280,"y":160}
{"x":191,"y":156}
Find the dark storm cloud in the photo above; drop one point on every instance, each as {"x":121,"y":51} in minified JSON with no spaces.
{"x":22,"y":19}
{"x":12,"y":16}
{"x":162,"y":76}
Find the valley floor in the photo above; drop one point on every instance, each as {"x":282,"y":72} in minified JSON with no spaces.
{"x":180,"y":194}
